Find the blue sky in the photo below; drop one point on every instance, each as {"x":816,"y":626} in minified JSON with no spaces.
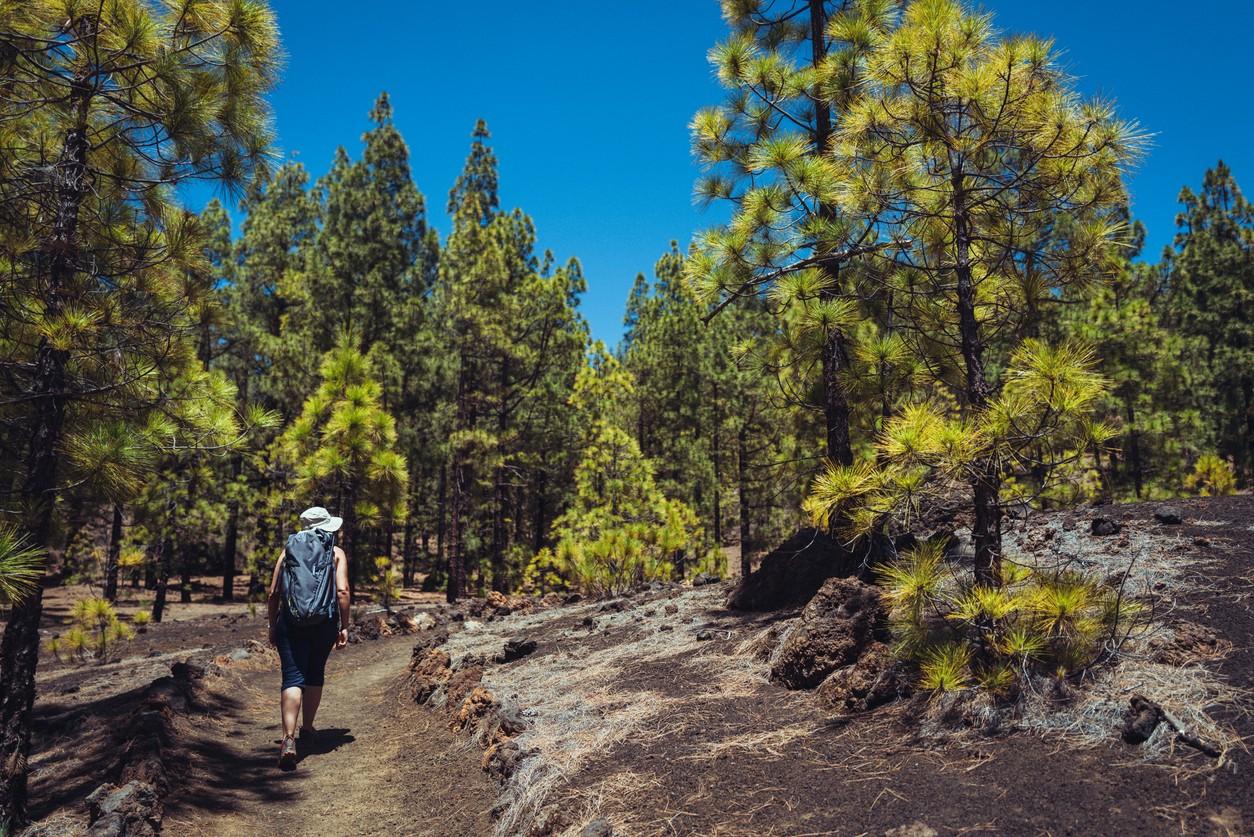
{"x":589,"y":104}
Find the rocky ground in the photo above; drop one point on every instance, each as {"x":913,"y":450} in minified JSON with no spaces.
{"x":665,"y":713}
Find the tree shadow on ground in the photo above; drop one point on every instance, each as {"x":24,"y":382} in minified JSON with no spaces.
{"x":328,"y":740}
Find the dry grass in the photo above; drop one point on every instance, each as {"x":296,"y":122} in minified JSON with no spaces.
{"x":578,"y":705}
{"x":1156,"y":565}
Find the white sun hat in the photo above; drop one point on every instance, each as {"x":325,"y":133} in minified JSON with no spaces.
{"x":316,"y":517}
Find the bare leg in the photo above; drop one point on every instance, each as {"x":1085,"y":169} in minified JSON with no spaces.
{"x":309,"y":706}
{"x":290,"y":705}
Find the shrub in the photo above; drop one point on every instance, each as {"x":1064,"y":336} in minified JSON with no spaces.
{"x":959,"y":632}
{"x":1212,"y":476}
{"x":544,"y":573}
{"x":97,"y":627}
{"x":387,"y":580}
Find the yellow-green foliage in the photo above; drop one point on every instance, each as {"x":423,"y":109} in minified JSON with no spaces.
{"x":387,"y":580}
{"x":344,"y":442}
{"x":20,"y":565}
{"x":1212,"y":476}
{"x":620,"y":529}
{"x":543,"y":573}
{"x":1036,"y":622}
{"x":928,"y":451}
{"x":141,"y":617}
{"x":97,"y":626}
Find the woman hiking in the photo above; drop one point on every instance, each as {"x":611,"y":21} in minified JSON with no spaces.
{"x":309,"y":615}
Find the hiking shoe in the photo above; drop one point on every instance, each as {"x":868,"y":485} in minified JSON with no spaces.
{"x":287,"y":753}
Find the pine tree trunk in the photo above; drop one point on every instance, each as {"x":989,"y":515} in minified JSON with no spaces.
{"x":742,"y":493}
{"x":716,"y":455}
{"x":407,"y":551}
{"x":986,"y":482}
{"x":500,"y":492}
{"x":230,"y":542}
{"x":456,"y":560}
{"x":1247,"y":393}
{"x":164,"y":548}
{"x":185,"y":576}
{"x":113,"y":555}
{"x":1134,"y":449}
{"x":19,"y":650}
{"x":350,"y":546}
{"x":541,"y":487}
{"x":441,"y":523}
{"x":456,"y":556}
{"x":835,"y":352}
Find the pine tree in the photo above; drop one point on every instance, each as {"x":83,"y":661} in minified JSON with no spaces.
{"x":512,"y":328}
{"x":105,"y":108}
{"x":342,"y":448}
{"x":620,"y":529}
{"x":959,"y":147}
{"x":1152,"y":375}
{"x":1211,"y":277}
{"x":791,"y":72}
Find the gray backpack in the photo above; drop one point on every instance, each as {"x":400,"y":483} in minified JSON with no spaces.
{"x":309,"y":578}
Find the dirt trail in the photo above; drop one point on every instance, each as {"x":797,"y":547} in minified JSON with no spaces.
{"x":382,"y":765}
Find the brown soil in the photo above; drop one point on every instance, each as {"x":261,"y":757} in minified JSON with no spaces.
{"x":656,"y":714}
{"x":693,"y":739}
{"x":382,"y":764}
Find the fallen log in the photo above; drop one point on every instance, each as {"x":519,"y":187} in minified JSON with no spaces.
{"x":1145,"y":716}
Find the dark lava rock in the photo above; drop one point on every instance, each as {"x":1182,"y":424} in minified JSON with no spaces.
{"x":703,"y":579}
{"x":187,"y":671}
{"x":666,"y":627}
{"x":1105,"y":526}
{"x":501,"y":760}
{"x":793,"y":572}
{"x":1202,"y":542}
{"x":1168,"y":516}
{"x":671,"y":609}
{"x":873,"y":680}
{"x":573,"y":598}
{"x":704,"y":635}
{"x":510,"y":717}
{"x":132,"y":810}
{"x":516,"y":649}
{"x":1141,"y":721}
{"x":843,"y":618}
{"x":428,"y":673}
{"x":588,"y":622}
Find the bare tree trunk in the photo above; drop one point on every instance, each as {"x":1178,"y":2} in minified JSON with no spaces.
{"x":185,"y":576}
{"x":456,"y":557}
{"x":500,"y":492}
{"x":1134,"y":449}
{"x":742,"y":486}
{"x":407,"y":550}
{"x":230,"y":543}
{"x":835,"y":352}
{"x":164,"y":548}
{"x":718,"y":474}
{"x":441,"y":523}
{"x":114,"y":555}
{"x":541,"y":487}
{"x":19,"y":650}
{"x":986,"y":482}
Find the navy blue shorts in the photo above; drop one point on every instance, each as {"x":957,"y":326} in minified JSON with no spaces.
{"x":303,"y":651}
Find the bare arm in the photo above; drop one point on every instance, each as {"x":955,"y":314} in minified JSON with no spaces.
{"x":342,"y":595}
{"x":273,"y":600}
